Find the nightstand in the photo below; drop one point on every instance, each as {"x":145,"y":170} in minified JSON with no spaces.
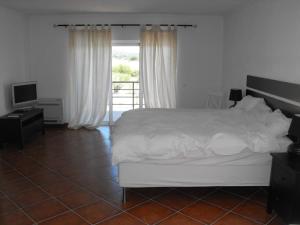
{"x":284,"y":192}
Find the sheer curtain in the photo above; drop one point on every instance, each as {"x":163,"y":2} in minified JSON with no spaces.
{"x":89,"y":78}
{"x":159,"y":66}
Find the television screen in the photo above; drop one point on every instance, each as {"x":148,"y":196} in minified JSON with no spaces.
{"x":24,"y":93}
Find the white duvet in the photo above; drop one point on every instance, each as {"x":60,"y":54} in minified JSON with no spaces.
{"x":166,"y":134}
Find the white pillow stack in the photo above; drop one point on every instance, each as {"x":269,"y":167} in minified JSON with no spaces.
{"x":278,"y":124}
{"x":275,"y":122}
{"x":249,"y":103}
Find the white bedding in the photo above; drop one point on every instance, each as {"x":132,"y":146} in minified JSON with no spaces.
{"x":240,"y":159}
{"x":160,"y":134}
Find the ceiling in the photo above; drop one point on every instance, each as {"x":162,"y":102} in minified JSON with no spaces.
{"x":124,"y":6}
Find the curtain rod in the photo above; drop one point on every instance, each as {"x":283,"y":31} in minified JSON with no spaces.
{"x":124,"y":25}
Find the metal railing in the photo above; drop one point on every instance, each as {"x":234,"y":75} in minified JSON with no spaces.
{"x":126,"y":93}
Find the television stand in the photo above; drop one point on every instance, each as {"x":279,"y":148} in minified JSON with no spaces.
{"x":18,"y":126}
{"x":25,"y":109}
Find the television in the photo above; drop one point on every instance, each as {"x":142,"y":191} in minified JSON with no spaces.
{"x":24,"y":94}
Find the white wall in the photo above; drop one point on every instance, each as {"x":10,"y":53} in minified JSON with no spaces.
{"x":13,"y":51}
{"x":262,"y":39}
{"x":200,"y":51}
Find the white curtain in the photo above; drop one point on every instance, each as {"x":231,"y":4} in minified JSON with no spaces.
{"x":89,"y":79}
{"x":159,"y":66}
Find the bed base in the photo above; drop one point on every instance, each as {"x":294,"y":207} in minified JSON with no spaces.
{"x":159,"y":175}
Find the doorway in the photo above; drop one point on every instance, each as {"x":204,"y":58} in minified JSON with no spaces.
{"x":126,"y":93}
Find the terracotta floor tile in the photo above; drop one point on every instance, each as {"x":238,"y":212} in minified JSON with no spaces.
{"x":179,"y":219}
{"x":30,"y":197}
{"x":59,"y":162}
{"x":150,"y":212}
{"x":254,"y":211}
{"x":122,"y":219}
{"x":65,"y":219}
{"x":198,"y":192}
{"x":204,"y":212}
{"x":96,"y":212}
{"x":85,"y":180}
{"x":8,"y":176}
{"x":78,"y":198}
{"x":2,"y":195}
{"x":104,"y":187}
{"x":61,"y":188}
{"x":17,"y":186}
{"x":15,"y":218}
{"x":232,"y":219}
{"x":224,"y":200}
{"x":242,"y":191}
{"x":6,"y":206}
{"x":70,"y":171}
{"x":20,"y":160}
{"x":43,"y":172}
{"x":4,"y":168}
{"x":80,"y":165}
{"x":30,"y":170}
{"x":46,"y":177}
{"x":151,"y":192}
{"x":175,"y":199}
{"x":133,"y":198}
{"x":46,"y":209}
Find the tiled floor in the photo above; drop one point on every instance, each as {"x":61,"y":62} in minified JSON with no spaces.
{"x":66,"y":178}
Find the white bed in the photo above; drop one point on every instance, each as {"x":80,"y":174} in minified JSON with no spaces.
{"x":191,"y":148}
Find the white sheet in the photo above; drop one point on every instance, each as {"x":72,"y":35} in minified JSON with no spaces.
{"x":168,"y":134}
{"x":240,"y":159}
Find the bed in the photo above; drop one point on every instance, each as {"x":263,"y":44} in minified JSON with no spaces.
{"x":245,"y":168}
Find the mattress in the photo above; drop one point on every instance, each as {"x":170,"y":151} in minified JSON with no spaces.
{"x":188,"y":135}
{"x":241,"y":159}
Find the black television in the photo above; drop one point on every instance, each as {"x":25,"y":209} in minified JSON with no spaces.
{"x":24,"y":94}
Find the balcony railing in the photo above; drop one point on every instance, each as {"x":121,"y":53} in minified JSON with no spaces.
{"x":126,"y":95}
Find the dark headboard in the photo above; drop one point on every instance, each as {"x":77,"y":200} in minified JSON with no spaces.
{"x":277,"y":94}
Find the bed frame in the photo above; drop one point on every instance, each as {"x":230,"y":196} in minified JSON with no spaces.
{"x":277,"y":94}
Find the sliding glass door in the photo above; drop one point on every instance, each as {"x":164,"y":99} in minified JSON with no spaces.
{"x":126,"y":93}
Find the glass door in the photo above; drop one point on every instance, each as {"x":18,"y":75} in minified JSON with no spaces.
{"x":125,"y":92}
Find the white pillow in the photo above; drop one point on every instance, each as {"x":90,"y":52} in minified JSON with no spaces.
{"x":226,"y":144}
{"x":261,"y":107}
{"x":277,"y":123}
{"x":249,"y":103}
